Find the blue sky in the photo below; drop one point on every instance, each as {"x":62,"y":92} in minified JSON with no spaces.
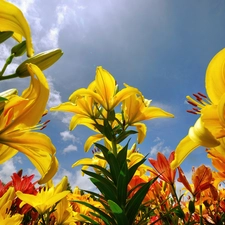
{"x":161,"y":47}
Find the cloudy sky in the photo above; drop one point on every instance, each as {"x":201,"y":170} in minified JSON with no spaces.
{"x":161,"y":47}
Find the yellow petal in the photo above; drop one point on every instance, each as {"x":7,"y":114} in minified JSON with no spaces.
{"x":184,"y":148}
{"x":221,"y":110}
{"x":80,"y":120}
{"x":51,"y":171}
{"x":37,"y":147}
{"x":12,"y":19}
{"x":6,"y":153}
{"x":201,"y":135}
{"x":91,"y":140}
{"x":105,"y":85}
{"x":214,"y":79}
{"x":155,"y":112}
{"x":82,"y":162}
{"x":123,"y":94}
{"x":142,"y":129}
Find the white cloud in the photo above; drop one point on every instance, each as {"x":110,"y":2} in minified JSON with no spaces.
{"x":75,"y":179}
{"x":67,"y":136}
{"x":159,"y":147}
{"x":54,"y":97}
{"x":7,"y":169}
{"x":70,"y":148}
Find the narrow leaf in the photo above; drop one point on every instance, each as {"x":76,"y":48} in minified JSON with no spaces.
{"x":118,"y":213}
{"x":135,"y":202}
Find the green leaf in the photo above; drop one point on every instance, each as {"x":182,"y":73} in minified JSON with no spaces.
{"x":132,"y":170}
{"x":100,"y":128}
{"x":113,"y":166}
{"x":179,"y":212}
{"x":103,"y":149}
{"x":106,"y":218}
{"x":108,"y":130}
{"x":89,"y":219}
{"x":111,"y":115}
{"x":122,"y":185}
{"x":103,"y":170}
{"x":106,"y":191}
{"x":122,"y":155}
{"x":118,"y":213}
{"x":133,"y":205}
{"x":2,"y":99}
{"x":107,"y":183}
{"x":124,"y":135}
{"x":111,"y":160}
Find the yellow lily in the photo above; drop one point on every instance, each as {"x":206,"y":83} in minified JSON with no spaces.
{"x":209,"y":128}
{"x":45,"y":198}
{"x":136,"y":110}
{"x":63,"y":213}
{"x":5,"y":204}
{"x":12,"y":19}
{"x":20,"y":116}
{"x":82,"y":209}
{"x":103,"y":91}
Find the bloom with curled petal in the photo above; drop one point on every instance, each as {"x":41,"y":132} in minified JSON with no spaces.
{"x":12,"y":19}
{"x":210,"y":127}
{"x":136,"y":109}
{"x":19,"y":118}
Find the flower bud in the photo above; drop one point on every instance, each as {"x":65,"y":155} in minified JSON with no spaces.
{"x":43,"y":60}
{"x":5,"y":35}
{"x":19,"y":49}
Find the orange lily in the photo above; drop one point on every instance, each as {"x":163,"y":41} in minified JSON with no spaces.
{"x":162,"y":166}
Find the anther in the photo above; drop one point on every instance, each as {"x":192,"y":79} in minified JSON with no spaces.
{"x":192,"y":103}
{"x":202,"y":95}
{"x":190,"y":111}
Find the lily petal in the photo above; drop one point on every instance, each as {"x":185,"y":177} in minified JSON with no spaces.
{"x":83,"y":162}
{"x":142,"y":129}
{"x":184,"y":148}
{"x":201,"y":135}
{"x":91,"y":140}
{"x":214,"y":79}
{"x":12,"y":19}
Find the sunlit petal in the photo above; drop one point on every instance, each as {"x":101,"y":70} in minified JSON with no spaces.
{"x":201,"y":135}
{"x":184,"y":148}
{"x":141,"y":129}
{"x":91,"y":140}
{"x":214,"y":79}
{"x":12,"y":19}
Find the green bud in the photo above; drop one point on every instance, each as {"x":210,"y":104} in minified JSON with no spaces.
{"x":191,"y":206}
{"x":19,"y":49}
{"x":43,"y":60}
{"x":5,"y":35}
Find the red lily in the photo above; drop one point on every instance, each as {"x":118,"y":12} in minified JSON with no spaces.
{"x":162,"y":167}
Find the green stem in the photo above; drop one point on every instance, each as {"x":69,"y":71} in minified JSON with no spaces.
{"x":114,"y":148}
{"x":8,"y":61}
{"x":14,"y":75}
